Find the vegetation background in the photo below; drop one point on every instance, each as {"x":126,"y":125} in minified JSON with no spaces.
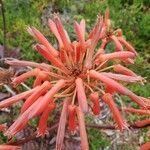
{"x":133,"y":16}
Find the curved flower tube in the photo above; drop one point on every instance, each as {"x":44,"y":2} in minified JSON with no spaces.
{"x":9,"y":147}
{"x":3,"y":127}
{"x":145,"y":146}
{"x":72,"y":122}
{"x":94,"y":97}
{"x":121,"y":124}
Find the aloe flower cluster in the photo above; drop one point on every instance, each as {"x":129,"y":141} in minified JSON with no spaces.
{"x":79,"y":76}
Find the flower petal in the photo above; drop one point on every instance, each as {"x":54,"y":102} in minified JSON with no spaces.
{"x":53,"y":28}
{"x":123,"y":70}
{"x":81,"y":95}
{"x":63,"y":34}
{"x":117,"y":87}
{"x":72,"y":118}
{"x":127,"y":45}
{"x":107,"y":98}
{"x":42,"y":76}
{"x":62,"y":125}
{"x":23,"y":119}
{"x":43,"y":119}
{"x":82,"y":129}
{"x":116,"y":55}
{"x":25,"y":76}
{"x":3,"y":127}
{"x":137,"y":111}
{"x":80,"y":35}
{"x":121,"y":77}
{"x":9,"y":147}
{"x":145,"y":146}
{"x":142,"y":123}
{"x":15,"y":62}
{"x":32,"y":98}
{"x":40,"y":37}
{"x":94,"y":41}
{"x":96,"y":105}
{"x":16,"y":98}
{"x":47,"y":98}
{"x":117,"y":43}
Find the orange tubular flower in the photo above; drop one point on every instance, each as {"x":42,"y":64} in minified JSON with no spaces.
{"x":80,"y":32}
{"x":138,"y":111}
{"x":123,"y":70}
{"x":26,"y":75}
{"x":15,"y":62}
{"x":63,"y":34}
{"x":81,"y":95}
{"x":77,"y":75}
{"x":127,"y":45}
{"x":39,"y":92}
{"x":117,"y":43}
{"x":53,"y":28}
{"x":43,"y":120}
{"x":16,"y":98}
{"x":42,"y":76}
{"x":72,"y":118}
{"x":116,"y":55}
{"x":39,"y":36}
{"x":142,"y":123}
{"x":9,"y":147}
{"x":62,"y":125}
{"x":47,"y":55}
{"x":117,"y":87}
{"x":82,"y":129}
{"x":23,"y":119}
{"x":3,"y":127}
{"x":146,"y":101}
{"x":121,"y":77}
{"x":107,"y":98}
{"x":95,"y":100}
{"x":145,"y":146}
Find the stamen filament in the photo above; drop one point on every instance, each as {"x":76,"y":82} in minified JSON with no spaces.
{"x":56,"y":75}
{"x":100,"y":65}
{"x":61,"y":96}
{"x":89,"y":87}
{"x":107,"y":68}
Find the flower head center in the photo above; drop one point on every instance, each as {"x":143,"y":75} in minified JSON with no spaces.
{"x":76,"y":71}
